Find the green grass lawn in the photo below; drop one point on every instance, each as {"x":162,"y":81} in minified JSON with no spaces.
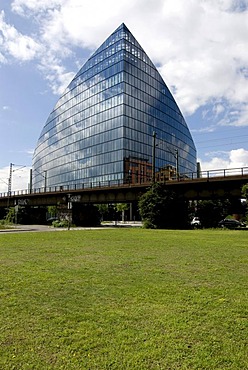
{"x":124,"y":299}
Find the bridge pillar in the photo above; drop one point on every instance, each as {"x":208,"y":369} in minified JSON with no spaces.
{"x":237,"y":207}
{"x":134,"y":211}
{"x":3,"y":212}
{"x":85,"y":215}
{"x":27,"y":215}
{"x":131,"y":211}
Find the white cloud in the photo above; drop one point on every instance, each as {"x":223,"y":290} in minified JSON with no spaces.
{"x":21,"y":47}
{"x":29,"y":7}
{"x":208,"y":55}
{"x":235,"y":115}
{"x":237,"y":158}
{"x":200,"y":46}
{"x":55,"y":73}
{"x":218,"y":108}
{"x":2,"y":59}
{"x":4,"y":176}
{"x":30,"y":152}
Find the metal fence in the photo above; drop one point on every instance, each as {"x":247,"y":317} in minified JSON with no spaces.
{"x":219,"y":173}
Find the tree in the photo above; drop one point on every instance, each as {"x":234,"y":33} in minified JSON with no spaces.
{"x":121,"y":208}
{"x":244,"y":191}
{"x":160,"y":208}
{"x":52,"y":210}
{"x":10,"y":216}
{"x":211,"y":212}
{"x":103,"y":210}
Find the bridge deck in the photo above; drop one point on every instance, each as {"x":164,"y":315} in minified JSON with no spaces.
{"x":211,"y":186}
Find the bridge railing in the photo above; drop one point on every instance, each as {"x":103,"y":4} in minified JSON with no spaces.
{"x":220,"y":173}
{"x":225,"y":172}
{"x":207,"y":174}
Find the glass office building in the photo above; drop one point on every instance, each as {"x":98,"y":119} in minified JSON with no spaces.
{"x":102,"y":128}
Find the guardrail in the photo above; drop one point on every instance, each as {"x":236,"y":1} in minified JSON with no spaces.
{"x":243,"y":171}
{"x":220,"y":173}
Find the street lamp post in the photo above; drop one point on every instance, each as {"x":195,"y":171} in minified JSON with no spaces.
{"x":10,"y":175}
{"x":177,"y":163}
{"x":175,"y":154}
{"x":10,"y":178}
{"x":44,"y":177}
{"x":30,"y":180}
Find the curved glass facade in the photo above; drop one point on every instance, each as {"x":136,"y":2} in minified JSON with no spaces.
{"x":101,"y":128}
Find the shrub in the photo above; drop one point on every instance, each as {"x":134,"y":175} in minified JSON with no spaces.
{"x":62,"y":223}
{"x":162,"y":209}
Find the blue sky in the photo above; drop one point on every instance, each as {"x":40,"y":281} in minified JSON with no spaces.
{"x":199,"y":46}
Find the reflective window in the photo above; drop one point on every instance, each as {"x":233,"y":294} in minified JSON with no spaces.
{"x":101,"y":129}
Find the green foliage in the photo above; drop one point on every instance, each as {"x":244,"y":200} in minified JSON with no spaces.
{"x":245,"y":195}
{"x":211,"y":212}
{"x":161,"y":208}
{"x":10,"y":217}
{"x":120,"y":207}
{"x":52,"y":210}
{"x":62,"y":223}
{"x":245,"y":191}
{"x":103,"y":210}
{"x":5,"y":225}
{"x":110,"y":211}
{"x":124,"y":299}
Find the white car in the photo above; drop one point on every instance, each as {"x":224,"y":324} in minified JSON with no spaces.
{"x":195,"y":222}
